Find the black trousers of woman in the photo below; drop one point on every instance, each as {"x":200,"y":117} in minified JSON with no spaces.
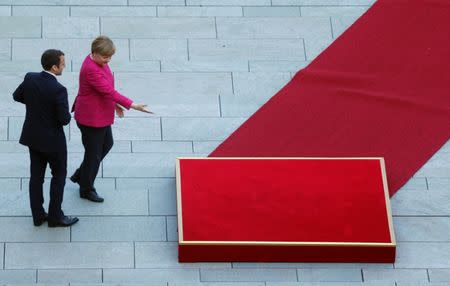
{"x":97,"y":142}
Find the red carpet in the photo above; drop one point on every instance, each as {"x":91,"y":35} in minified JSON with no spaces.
{"x":307,"y":210}
{"x":380,"y":90}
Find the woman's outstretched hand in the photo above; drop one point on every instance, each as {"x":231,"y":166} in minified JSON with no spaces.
{"x":140,"y":107}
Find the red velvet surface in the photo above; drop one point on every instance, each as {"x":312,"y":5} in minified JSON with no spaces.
{"x":380,"y":90}
{"x":283,"y":200}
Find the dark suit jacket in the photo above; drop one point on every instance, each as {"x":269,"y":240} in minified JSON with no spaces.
{"x":47,"y":111}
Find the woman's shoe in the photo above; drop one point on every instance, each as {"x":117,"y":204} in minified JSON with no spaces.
{"x":39,"y":221}
{"x":75,"y":177}
{"x":91,"y":196}
{"x":64,"y":221}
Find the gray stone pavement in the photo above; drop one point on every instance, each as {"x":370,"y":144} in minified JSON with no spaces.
{"x":203,"y":66}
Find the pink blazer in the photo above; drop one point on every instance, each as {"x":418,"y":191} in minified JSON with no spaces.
{"x":95,"y":103}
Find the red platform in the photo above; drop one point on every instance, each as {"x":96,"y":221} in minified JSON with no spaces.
{"x":284,"y":210}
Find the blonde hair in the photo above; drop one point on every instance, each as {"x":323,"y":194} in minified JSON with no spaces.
{"x":103,"y":45}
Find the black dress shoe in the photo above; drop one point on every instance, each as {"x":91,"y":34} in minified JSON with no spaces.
{"x":41,"y":220}
{"x":91,"y":196}
{"x":75,"y":177}
{"x":62,"y":222}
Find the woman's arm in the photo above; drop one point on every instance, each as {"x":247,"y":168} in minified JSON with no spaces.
{"x":101,"y":85}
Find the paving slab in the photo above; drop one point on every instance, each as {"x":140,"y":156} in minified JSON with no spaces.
{"x":439,"y":275}
{"x":423,"y":255}
{"x":74,"y":49}
{"x":416,"y":203}
{"x":20,"y":27}
{"x":422,"y":229}
{"x":9,"y":184}
{"x":395,"y":275}
{"x":247,"y":275}
{"x":81,"y":11}
{"x":69,"y":276}
{"x":2,"y":255}
{"x":22,"y":66}
{"x":329,"y":11}
{"x":17,"y":276}
{"x":162,"y":201}
{"x":242,"y":106}
{"x":217,"y":284}
{"x":341,"y":23}
{"x":141,"y":165}
{"x":277,"y":66}
{"x":329,"y":275}
{"x":21,"y":229}
{"x":41,"y":11}
{"x":130,"y":228}
{"x":166,"y":184}
{"x":5,"y":11}
{"x":69,"y":2}
{"x":158,"y":49}
{"x":416,"y":184}
{"x":271,"y":11}
{"x":272,"y":27}
{"x":143,"y":146}
{"x":118,"y":65}
{"x":438,"y":183}
{"x":204,"y":65}
{"x":145,"y":128}
{"x":165,"y":255}
{"x":4,"y":128}
{"x":157,"y":2}
{"x":205,"y":147}
{"x":149,"y":27}
{"x":5,"y":49}
{"x":228,"y":2}
{"x":377,"y":283}
{"x":172,"y":228}
{"x":151,"y":275}
{"x":247,"y":49}
{"x":262,"y":85}
{"x":69,"y":255}
{"x":198,"y":128}
{"x":219,"y":11}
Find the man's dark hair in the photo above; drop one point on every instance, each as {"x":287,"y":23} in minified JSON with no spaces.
{"x":51,"y":57}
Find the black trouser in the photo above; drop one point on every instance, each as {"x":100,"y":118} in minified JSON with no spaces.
{"x":97,"y":142}
{"x":58,"y":166}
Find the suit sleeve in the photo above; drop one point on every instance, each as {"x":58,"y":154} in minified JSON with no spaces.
{"x":103,"y":87}
{"x":18,"y":94}
{"x":62,"y":107}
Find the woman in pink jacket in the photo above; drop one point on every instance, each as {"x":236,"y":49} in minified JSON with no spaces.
{"x":94,"y":109}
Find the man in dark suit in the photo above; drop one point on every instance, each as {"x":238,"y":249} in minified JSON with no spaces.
{"x":47,"y":111}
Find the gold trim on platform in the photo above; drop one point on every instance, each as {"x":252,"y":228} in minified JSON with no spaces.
{"x":283,"y":243}
{"x":388,"y":201}
{"x":179,"y":207}
{"x":283,"y":158}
